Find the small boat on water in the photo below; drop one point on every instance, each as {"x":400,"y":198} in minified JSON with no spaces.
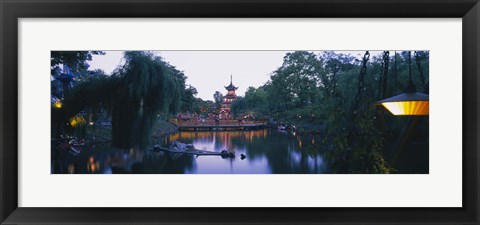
{"x":282,"y":127}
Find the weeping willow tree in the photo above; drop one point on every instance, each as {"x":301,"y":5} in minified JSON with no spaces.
{"x":146,"y":86}
{"x":134,"y":95}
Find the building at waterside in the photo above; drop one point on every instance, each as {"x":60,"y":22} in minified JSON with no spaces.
{"x":227,"y":100}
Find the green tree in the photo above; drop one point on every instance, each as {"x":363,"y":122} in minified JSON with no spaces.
{"x":146,"y":85}
{"x":188,"y":99}
{"x":75,"y":61}
{"x":218,"y":97}
{"x":238,"y":107}
{"x":295,"y":84}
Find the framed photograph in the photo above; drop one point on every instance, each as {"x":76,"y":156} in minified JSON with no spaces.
{"x":199,"y":112}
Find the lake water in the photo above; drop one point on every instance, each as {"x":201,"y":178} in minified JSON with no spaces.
{"x":267,"y":151}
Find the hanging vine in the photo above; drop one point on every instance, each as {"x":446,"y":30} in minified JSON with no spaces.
{"x":420,"y":71}
{"x":360,"y":85}
{"x":384,"y":77}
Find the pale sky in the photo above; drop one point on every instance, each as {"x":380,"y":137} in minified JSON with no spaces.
{"x":209,"y":71}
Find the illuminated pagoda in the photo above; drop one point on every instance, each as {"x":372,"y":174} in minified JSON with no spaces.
{"x":228,"y":99}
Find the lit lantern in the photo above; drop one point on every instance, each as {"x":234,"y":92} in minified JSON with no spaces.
{"x":407,"y":104}
{"x":77,"y":120}
{"x":57,"y":104}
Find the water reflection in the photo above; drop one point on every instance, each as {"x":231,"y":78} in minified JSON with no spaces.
{"x":266,"y":151}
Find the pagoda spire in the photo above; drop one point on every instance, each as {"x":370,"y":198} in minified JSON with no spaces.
{"x":231,"y":86}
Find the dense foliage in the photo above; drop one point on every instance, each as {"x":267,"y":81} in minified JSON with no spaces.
{"x":75,"y":62}
{"x":323,"y":93}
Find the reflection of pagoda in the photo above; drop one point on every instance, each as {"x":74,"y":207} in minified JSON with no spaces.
{"x":228,"y":99}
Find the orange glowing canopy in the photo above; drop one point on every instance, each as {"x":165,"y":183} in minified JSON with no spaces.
{"x":407,"y":104}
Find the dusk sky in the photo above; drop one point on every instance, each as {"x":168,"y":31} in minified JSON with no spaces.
{"x":209,"y":71}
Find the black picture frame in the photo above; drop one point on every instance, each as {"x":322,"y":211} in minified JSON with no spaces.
{"x":12,"y":10}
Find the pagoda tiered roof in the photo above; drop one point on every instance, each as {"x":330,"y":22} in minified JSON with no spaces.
{"x":231,"y":87}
